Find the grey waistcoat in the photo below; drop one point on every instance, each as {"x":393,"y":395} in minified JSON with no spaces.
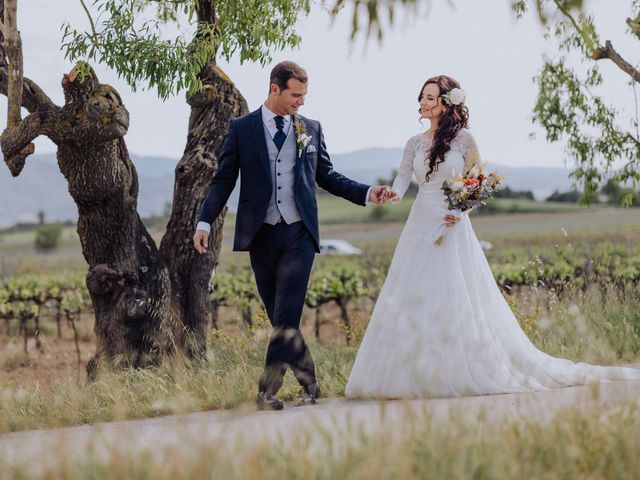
{"x":283,"y":178}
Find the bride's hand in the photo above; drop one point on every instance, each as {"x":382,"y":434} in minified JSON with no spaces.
{"x":450,"y":220}
{"x":392,"y":196}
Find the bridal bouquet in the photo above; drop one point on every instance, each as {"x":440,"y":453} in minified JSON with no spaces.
{"x":466,"y":192}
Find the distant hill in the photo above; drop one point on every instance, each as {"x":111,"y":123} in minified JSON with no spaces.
{"x":41,"y":186}
{"x":369,"y":165}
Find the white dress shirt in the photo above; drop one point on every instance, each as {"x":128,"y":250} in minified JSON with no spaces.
{"x":269,"y":120}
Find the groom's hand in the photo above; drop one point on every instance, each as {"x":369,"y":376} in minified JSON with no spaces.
{"x":200,"y":241}
{"x":378,"y":194}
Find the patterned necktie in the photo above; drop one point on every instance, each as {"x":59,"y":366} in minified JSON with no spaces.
{"x":279,"y":137}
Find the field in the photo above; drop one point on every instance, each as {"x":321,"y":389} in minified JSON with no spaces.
{"x":564,"y":269}
{"x":514,"y":221}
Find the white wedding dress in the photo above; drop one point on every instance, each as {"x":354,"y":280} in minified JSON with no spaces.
{"x":441,"y":327}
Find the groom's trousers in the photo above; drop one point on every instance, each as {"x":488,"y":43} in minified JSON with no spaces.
{"x":281,"y":257}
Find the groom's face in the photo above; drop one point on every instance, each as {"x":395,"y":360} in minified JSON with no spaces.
{"x":289,"y":100}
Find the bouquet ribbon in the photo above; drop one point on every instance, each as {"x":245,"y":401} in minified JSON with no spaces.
{"x":438,"y":235}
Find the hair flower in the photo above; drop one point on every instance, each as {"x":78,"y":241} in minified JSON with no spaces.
{"x":455,"y":96}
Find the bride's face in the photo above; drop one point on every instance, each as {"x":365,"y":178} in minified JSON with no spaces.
{"x":431,"y":105}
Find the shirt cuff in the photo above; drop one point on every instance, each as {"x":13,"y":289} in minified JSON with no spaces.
{"x":204,"y":226}
{"x":366,"y":200}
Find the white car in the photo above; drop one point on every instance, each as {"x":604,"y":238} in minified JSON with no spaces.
{"x":338,"y":247}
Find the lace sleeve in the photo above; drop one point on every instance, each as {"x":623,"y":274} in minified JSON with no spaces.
{"x":403,"y":178}
{"x":470,"y":151}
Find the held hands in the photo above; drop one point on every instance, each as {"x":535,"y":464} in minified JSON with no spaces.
{"x":381,"y":193}
{"x":200,"y":241}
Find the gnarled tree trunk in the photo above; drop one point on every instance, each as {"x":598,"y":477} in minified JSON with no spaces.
{"x":190,"y":272}
{"x":127,"y":279}
{"x":144,"y":298}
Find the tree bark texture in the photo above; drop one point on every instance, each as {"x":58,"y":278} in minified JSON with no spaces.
{"x":12,"y":48}
{"x":127,"y":279}
{"x":147,"y":301}
{"x":190,"y":272}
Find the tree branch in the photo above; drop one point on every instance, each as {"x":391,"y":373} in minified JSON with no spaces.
{"x":567,"y":14}
{"x":1,"y":21}
{"x":635,"y":26}
{"x":634,"y":140}
{"x":3,"y":55}
{"x":609,"y":52}
{"x":16,"y":141}
{"x":590,"y":44}
{"x":91,"y":22}
{"x":12,"y":45}
{"x":33,"y":97}
{"x":17,"y":137}
{"x":14,"y":153}
{"x":207,"y":12}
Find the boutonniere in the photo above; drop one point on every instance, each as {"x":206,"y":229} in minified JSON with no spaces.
{"x":302,"y":139}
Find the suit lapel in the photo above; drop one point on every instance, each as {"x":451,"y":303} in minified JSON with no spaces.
{"x":261,"y":142}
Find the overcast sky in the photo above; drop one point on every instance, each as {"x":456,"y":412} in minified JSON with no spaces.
{"x":363,"y":97}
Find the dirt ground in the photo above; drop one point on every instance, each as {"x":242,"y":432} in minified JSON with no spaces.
{"x":59,"y":353}
{"x":42,"y":365}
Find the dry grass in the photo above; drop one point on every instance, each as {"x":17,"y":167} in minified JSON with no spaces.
{"x":594,"y":326}
{"x":597,"y":444}
{"x":235,"y":362}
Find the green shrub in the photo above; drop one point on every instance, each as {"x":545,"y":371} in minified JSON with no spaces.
{"x":48,"y":237}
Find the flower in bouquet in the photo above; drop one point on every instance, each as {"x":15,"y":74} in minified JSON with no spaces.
{"x":468,"y":191}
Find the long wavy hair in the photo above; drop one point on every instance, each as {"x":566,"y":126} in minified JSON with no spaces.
{"x":453,"y":119}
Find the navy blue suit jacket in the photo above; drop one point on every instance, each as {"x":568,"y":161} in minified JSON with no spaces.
{"x":245,"y":153}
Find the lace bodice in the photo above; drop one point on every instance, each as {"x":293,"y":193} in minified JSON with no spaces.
{"x":463,"y":150}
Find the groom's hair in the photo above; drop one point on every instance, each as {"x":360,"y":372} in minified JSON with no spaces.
{"x":283,"y":71}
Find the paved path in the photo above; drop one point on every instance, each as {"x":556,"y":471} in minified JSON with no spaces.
{"x":337,"y":416}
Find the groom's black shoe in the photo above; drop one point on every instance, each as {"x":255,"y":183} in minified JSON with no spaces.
{"x":309,"y":394}
{"x":266,"y":401}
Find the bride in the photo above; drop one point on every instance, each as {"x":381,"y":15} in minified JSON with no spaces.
{"x":441,"y":326}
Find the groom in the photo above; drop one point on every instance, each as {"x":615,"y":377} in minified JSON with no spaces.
{"x":280,"y":157}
